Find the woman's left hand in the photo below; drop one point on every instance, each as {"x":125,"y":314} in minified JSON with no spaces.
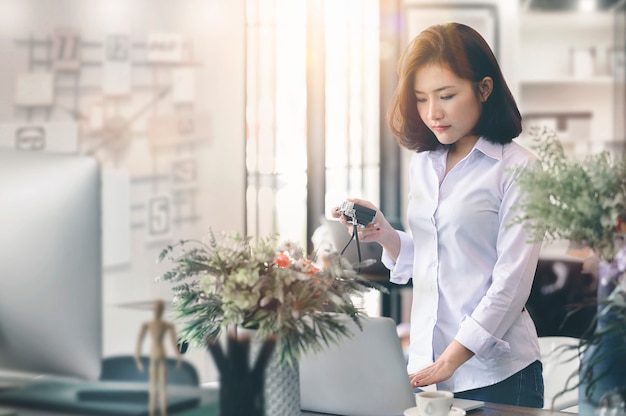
{"x":443,"y":368}
{"x":434,"y":373}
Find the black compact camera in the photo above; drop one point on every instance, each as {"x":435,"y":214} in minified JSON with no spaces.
{"x":357,"y":214}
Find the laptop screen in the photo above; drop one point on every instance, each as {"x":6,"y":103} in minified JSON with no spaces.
{"x":362,"y":375}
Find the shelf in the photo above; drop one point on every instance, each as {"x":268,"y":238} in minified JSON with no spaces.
{"x":603,"y":80}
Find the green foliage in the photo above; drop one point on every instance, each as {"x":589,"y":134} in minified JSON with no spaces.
{"x":584,"y":202}
{"x":609,"y":328}
{"x":580,"y":201}
{"x":273,"y":288}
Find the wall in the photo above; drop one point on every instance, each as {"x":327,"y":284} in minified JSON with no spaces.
{"x":566,"y":80}
{"x":158,"y":188}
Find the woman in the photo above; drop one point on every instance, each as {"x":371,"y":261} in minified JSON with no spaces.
{"x":472,"y":268}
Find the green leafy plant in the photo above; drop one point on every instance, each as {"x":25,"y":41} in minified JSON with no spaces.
{"x":609,"y":328}
{"x":583,"y":201}
{"x":580,"y":201}
{"x":273,"y":288}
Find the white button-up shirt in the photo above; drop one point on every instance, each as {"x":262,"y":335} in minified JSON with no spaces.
{"x":472,"y":269}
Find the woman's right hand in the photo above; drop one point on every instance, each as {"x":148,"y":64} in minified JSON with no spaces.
{"x":379,"y":230}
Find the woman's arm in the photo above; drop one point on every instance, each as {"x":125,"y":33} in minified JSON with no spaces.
{"x":511,"y":283}
{"x":443,"y":368}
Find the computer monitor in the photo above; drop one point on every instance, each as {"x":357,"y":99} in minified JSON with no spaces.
{"x":50,"y":264}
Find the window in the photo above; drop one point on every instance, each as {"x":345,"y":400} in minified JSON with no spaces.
{"x":352,"y":110}
{"x":277,"y":113}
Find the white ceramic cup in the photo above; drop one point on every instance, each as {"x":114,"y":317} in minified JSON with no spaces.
{"x":434,"y":403}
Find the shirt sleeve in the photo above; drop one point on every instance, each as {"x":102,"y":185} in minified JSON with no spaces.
{"x":512,"y":279}
{"x":402,"y":268}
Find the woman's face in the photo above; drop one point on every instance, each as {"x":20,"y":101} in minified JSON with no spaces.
{"x":447,"y":104}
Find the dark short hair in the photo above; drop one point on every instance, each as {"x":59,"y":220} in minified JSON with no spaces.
{"x":464,"y":51}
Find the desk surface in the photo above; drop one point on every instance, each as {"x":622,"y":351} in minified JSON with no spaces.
{"x":209,"y":407}
{"x":489,"y":409}
{"x":46,"y":395}
{"x":494,"y":409}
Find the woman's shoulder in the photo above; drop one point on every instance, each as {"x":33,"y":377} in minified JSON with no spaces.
{"x":508,"y":154}
{"x":516,"y":153}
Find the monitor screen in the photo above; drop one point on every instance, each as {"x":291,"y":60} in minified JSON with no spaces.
{"x":50,"y":264}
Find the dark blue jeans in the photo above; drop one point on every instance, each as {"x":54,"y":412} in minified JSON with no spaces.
{"x":524,"y":388}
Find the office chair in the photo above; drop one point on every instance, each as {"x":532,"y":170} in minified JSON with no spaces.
{"x":124,"y":368}
{"x":560,"y":371}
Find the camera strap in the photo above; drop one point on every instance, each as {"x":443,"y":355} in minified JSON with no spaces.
{"x":354,"y":236}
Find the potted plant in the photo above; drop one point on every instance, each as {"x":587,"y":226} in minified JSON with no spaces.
{"x":232,"y":284}
{"x":584,"y":202}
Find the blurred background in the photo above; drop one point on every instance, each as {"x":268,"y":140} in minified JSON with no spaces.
{"x":261,"y":115}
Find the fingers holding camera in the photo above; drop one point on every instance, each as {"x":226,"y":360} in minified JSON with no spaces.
{"x":366,"y":232}
{"x":336,"y":214}
{"x":378,"y":230}
{"x":353,"y":209}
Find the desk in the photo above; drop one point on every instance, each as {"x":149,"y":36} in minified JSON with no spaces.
{"x":209,"y":407}
{"x":489,"y":409}
{"x":25,"y":395}
{"x":494,"y":409}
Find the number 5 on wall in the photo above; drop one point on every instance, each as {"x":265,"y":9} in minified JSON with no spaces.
{"x":159,"y":217}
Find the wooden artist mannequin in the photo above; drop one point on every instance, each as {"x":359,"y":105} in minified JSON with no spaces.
{"x":157,"y":328}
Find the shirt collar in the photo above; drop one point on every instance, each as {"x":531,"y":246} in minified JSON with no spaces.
{"x":493,"y":150}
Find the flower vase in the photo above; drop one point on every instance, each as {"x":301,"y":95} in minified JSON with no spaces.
{"x":603,"y":364}
{"x":253,"y":382}
{"x":241,"y":383}
{"x":282,"y":388}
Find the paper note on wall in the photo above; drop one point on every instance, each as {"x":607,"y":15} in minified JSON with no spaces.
{"x":115,"y":218}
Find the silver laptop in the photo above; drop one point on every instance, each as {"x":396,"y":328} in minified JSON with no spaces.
{"x":364,"y":375}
